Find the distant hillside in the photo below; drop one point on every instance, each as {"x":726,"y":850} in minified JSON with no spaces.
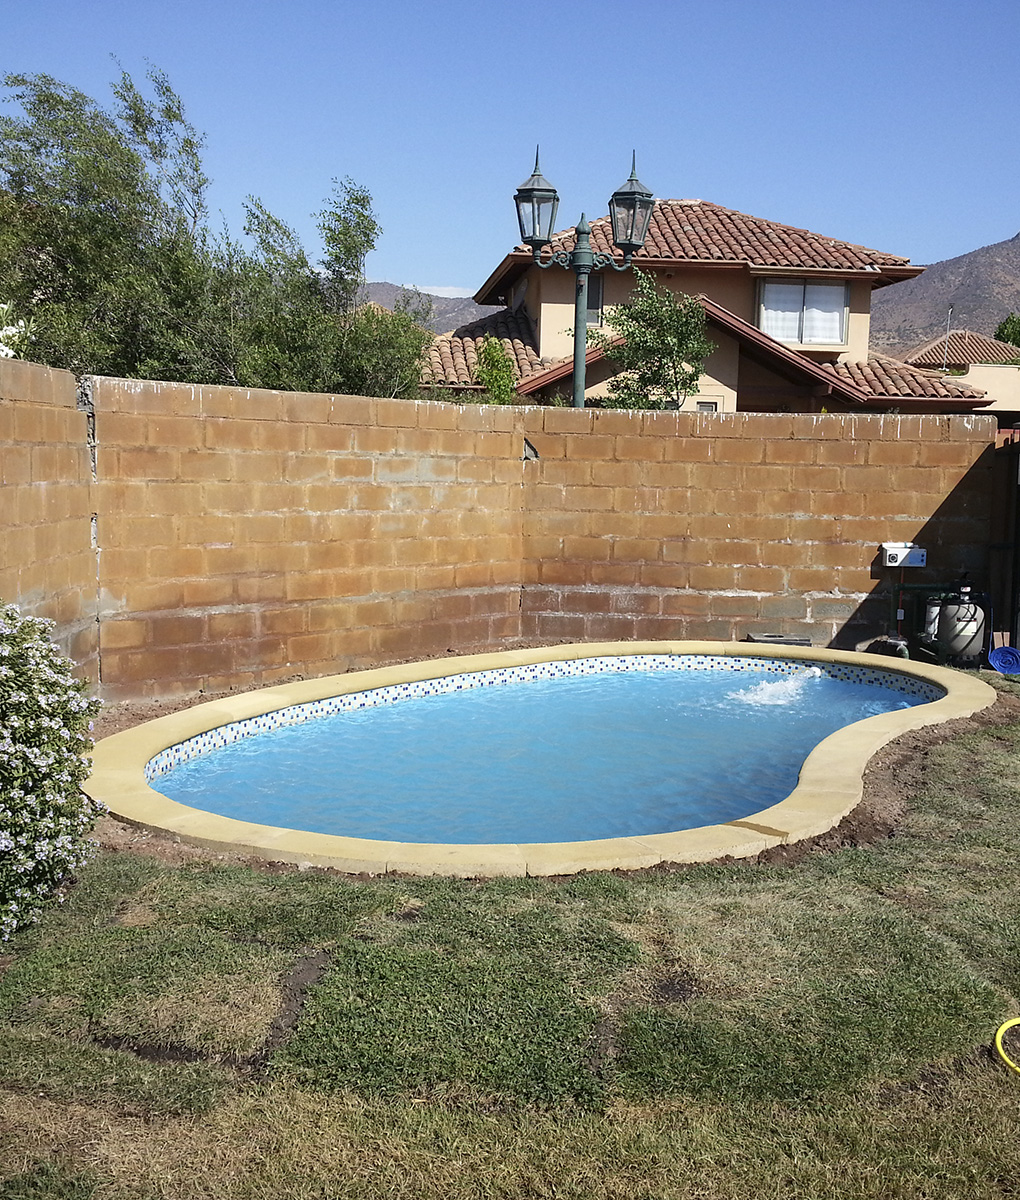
{"x":448,"y":312}
{"x":982,"y":286}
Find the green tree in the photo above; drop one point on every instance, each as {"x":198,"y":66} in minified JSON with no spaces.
{"x":663,"y":346}
{"x":494,"y":370}
{"x":1009,"y":329}
{"x":88,"y":246}
{"x":105,"y":245}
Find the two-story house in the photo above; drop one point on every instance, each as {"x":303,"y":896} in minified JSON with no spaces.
{"x":788,"y":311}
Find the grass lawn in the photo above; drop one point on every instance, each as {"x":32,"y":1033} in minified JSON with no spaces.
{"x":729,"y":1031}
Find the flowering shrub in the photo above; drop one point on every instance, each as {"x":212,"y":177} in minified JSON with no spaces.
{"x":45,"y":718}
{"x":14,"y":335}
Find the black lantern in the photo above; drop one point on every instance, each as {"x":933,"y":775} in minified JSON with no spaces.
{"x":536,"y":201}
{"x":630,"y":210}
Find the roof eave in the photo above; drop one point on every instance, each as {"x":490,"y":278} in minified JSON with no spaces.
{"x":496,"y":288}
{"x":505,"y":276}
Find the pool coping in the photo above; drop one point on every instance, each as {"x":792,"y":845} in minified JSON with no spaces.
{"x":829,"y":787}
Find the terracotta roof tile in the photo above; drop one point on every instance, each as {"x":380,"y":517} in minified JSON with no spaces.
{"x":883,"y":377}
{"x":699,"y":231}
{"x":964,"y":347}
{"x":452,"y":357}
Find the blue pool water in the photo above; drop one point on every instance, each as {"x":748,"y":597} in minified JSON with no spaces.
{"x":542,"y":760}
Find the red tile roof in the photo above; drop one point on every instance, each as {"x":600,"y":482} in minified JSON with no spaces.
{"x":964,"y":347}
{"x":887,"y":378}
{"x":699,"y":232}
{"x":452,"y":357}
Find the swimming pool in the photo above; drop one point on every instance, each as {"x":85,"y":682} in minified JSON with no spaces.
{"x":130,"y":770}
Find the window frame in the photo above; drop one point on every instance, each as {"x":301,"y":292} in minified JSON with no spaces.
{"x":804,"y":282}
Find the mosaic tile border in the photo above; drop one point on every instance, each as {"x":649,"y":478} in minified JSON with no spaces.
{"x":297,"y":714}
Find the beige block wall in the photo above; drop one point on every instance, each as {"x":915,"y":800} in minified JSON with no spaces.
{"x":676,"y":525}
{"x":249,"y":537}
{"x":47,"y":565}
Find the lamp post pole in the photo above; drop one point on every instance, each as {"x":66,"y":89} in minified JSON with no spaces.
{"x":630,"y":210}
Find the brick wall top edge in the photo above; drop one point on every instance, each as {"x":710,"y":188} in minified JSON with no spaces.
{"x":36,"y":384}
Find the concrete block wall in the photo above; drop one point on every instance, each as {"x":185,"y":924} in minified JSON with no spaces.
{"x":47,"y":563}
{"x":684,"y":525}
{"x":248,"y":537}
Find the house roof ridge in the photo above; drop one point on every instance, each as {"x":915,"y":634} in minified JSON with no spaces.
{"x":956,"y":345}
{"x":762,"y":222}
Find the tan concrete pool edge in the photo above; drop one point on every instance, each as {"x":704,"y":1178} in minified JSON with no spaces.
{"x":830,"y":786}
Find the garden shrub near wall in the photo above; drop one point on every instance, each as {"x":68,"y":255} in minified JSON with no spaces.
{"x":45,"y":718}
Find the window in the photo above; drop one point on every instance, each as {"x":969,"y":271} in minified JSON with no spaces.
{"x":793,"y":310}
{"x":708,"y":406}
{"x":594,"y":300}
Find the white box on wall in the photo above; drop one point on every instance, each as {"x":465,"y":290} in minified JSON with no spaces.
{"x":903,"y":554}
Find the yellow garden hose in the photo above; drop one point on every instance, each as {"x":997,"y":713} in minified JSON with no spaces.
{"x":1001,"y":1049}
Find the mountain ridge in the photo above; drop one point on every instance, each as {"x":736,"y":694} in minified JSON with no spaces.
{"x":448,"y":312}
{"x":983,"y":287}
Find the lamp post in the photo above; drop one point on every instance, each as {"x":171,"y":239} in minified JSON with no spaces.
{"x":630,"y":210}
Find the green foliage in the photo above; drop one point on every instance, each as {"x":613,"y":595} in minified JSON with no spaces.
{"x":104,"y":244}
{"x":390,"y":1020}
{"x":45,"y":717}
{"x":1008,"y":329}
{"x":495,"y":371}
{"x":664,"y":346}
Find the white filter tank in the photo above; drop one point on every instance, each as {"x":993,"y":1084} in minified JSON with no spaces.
{"x":961,"y":628}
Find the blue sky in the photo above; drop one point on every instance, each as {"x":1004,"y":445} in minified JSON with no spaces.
{"x":876,"y":121}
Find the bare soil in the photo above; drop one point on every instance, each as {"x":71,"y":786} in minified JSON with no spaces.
{"x":894,"y":775}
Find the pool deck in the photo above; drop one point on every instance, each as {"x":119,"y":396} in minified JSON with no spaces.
{"x":830,"y":785}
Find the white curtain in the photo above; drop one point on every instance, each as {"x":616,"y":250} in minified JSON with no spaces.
{"x":804,"y":313}
{"x":823,"y":313}
{"x":781,"y":309}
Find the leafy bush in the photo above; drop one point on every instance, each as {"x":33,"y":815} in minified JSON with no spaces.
{"x":45,"y":718}
{"x":495,"y":371}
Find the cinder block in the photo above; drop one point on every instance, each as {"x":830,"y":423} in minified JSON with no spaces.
{"x":710,"y":577}
{"x":640,"y":449}
{"x":562,"y":420}
{"x":768,"y":428}
{"x":761,"y":579}
{"x":663,"y":575}
{"x":838,"y":504}
{"x":589,"y":446}
{"x":230,"y":434}
{"x":308,"y":408}
{"x":615,"y":423}
{"x":149,"y":462}
{"x":794,"y":452}
{"x":688,"y":449}
{"x":738,"y":450}
{"x":833,"y":454}
{"x":396,"y":413}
